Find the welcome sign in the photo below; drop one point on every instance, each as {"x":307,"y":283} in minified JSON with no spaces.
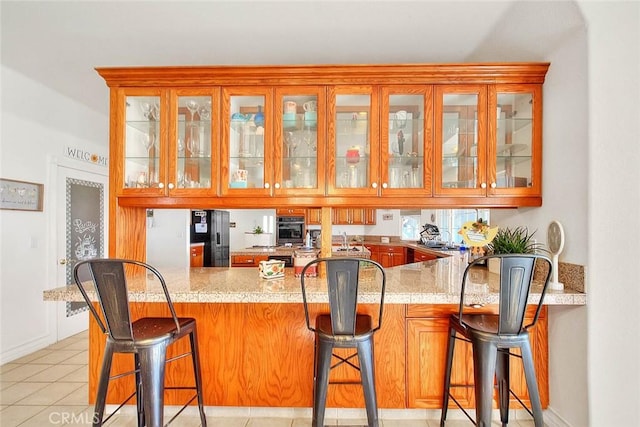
{"x":86,"y":156}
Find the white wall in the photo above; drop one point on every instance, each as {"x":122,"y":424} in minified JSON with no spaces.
{"x":565,"y":199}
{"x":246,"y":220}
{"x":168,"y":238}
{"x":36,"y":124}
{"x":614,"y":206}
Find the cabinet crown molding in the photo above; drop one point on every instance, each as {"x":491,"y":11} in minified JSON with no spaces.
{"x":198,"y":76}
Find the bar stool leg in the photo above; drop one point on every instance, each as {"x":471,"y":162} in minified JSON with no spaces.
{"x":195,"y":357}
{"x":103,"y":385}
{"x":532,"y":383}
{"x":447,"y":375}
{"x":502,"y":378}
{"x":484,"y":370}
{"x":152,"y":366}
{"x":365,"y":358}
{"x":321,"y":383}
{"x":139,"y":398}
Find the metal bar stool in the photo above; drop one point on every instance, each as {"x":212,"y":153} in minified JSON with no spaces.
{"x":147,"y":338}
{"x":343,"y":327}
{"x":493,"y":335}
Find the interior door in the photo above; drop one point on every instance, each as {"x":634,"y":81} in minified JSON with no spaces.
{"x":81,"y":222}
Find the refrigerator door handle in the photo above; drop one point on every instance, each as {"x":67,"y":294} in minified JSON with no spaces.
{"x":218,"y":237}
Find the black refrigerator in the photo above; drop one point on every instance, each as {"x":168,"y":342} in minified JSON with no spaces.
{"x":211,"y":227}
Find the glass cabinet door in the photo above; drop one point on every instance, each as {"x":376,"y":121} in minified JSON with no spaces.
{"x":516,"y":140}
{"x":299,"y":141}
{"x":460,"y":140}
{"x":406,"y":140}
{"x":143,"y":166}
{"x":247,"y":152}
{"x":194,"y":145}
{"x":353,"y":138}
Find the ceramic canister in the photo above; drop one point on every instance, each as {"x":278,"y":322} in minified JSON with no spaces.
{"x":301,"y":258}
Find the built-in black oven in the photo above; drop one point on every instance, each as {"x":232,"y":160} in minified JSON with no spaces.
{"x":290,"y":229}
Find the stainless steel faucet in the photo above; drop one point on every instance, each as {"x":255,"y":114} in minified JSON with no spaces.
{"x":345,"y":243}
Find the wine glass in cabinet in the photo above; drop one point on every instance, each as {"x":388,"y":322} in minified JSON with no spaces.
{"x":299,"y":141}
{"x":352,"y":152}
{"x":140,"y":138}
{"x":247,"y":150}
{"x":406,"y":140}
{"x":194,"y":147}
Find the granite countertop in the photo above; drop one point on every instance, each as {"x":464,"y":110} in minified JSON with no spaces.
{"x":362,"y":252}
{"x":428,"y":282}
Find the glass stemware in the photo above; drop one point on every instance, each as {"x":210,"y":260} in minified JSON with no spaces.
{"x":205,"y":111}
{"x":148,"y":140}
{"x":193,"y":145}
{"x":192,"y":106}
{"x":146,"y":109}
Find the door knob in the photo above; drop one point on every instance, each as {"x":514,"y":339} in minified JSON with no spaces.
{"x":62,"y":261}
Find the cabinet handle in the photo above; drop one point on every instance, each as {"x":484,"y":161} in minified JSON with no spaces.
{"x":483,"y":185}
{"x":384,"y":185}
{"x":374,"y":185}
{"x":266,"y":185}
{"x":276,"y":185}
{"x":161,"y":185}
{"x":171,"y":186}
{"x":493,"y":185}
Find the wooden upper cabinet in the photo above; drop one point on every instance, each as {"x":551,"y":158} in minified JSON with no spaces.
{"x":313,"y":216}
{"x":161,"y":147}
{"x":460,"y":166}
{"x":488,"y":140}
{"x":139,"y":141}
{"x":353,"y":145}
{"x":247,"y":151}
{"x":417,"y":135}
{"x":300,"y":141}
{"x":406,"y":144}
{"x":515,"y":140}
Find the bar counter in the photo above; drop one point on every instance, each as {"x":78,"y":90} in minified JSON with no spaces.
{"x":256,"y":350}
{"x":428,"y":282}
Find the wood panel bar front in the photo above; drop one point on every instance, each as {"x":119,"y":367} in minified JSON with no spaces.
{"x":261,"y":355}
{"x":256,"y":354}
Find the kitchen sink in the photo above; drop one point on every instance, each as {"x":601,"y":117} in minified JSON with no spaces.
{"x":354,"y":249}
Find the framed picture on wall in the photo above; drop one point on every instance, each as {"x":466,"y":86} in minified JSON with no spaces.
{"x":20,"y":195}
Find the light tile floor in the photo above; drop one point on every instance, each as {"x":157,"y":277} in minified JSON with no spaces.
{"x":49,"y":387}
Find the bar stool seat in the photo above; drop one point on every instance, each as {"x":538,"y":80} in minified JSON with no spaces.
{"x":146,"y":338}
{"x":493,"y":335}
{"x":344,"y":327}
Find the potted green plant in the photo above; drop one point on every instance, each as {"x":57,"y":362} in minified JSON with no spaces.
{"x":511,"y":241}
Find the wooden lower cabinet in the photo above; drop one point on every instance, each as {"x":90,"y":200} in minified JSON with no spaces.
{"x":423,"y":256}
{"x":426,"y":360}
{"x":261,"y":354}
{"x":391,"y":256}
{"x":197,"y":256}
{"x":247,"y":260}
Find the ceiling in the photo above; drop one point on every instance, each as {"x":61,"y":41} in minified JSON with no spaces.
{"x":60,"y":43}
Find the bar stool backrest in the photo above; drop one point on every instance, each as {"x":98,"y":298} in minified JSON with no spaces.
{"x":516,"y":278}
{"x":343,"y":282}
{"x":109,"y":280}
